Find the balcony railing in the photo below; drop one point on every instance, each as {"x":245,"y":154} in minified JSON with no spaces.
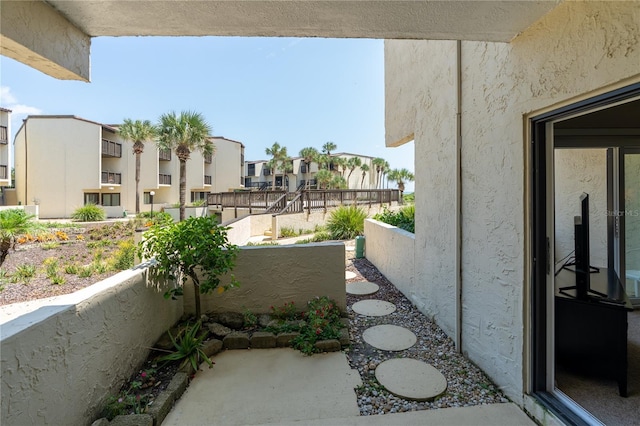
{"x":4,"y":137}
{"x":208,"y":158}
{"x":3,"y":172}
{"x":111,"y":149}
{"x":111,"y":177}
{"x":165,"y":155}
{"x":164,"y":179}
{"x":207,"y":180}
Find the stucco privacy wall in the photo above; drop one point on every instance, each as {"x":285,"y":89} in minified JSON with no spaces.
{"x":576,"y":51}
{"x":61,"y":361}
{"x":273,"y":275}
{"x":381,"y":239}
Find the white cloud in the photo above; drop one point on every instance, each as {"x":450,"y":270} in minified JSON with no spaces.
{"x":6,"y":96}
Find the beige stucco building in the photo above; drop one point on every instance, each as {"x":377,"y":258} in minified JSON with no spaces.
{"x":491,"y":93}
{"x":258,"y":175}
{"x":5,"y":147}
{"x":64,"y":162}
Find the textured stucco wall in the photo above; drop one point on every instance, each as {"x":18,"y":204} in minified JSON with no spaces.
{"x":272,"y":275}
{"x":578,"y":171}
{"x":578,"y":50}
{"x":382,"y":239}
{"x":632,"y":210}
{"x":62,"y":360}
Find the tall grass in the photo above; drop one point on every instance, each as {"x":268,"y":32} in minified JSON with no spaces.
{"x":88,"y":213}
{"x":346,"y":222}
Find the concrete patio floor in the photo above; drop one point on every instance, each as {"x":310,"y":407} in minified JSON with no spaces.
{"x":284,"y":387}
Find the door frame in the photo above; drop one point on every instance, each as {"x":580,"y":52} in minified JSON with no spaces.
{"x":540,"y":311}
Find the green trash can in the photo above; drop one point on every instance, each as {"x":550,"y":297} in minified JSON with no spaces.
{"x":359,"y":247}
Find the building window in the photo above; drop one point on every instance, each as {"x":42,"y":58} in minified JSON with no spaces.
{"x":111,"y":199}
{"x":146,"y":196}
{"x":91,"y":198}
{"x":251,"y":170}
{"x":198,"y":196}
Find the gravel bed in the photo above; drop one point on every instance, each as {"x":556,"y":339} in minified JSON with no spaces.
{"x":467,"y":384}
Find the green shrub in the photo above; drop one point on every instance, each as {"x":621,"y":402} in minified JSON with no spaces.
{"x":88,"y":213}
{"x":24,"y":273}
{"x":403,"y":219}
{"x":286,"y":312}
{"x":321,"y":322}
{"x":71,"y":269}
{"x":85,"y":271}
{"x":123,"y":258}
{"x":287,"y":232}
{"x":346,"y":222}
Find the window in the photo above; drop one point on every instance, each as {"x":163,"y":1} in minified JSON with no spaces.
{"x":111,"y":199}
{"x":251,"y":169}
{"x":198,"y":195}
{"x":147,"y":198}
{"x":91,"y":198}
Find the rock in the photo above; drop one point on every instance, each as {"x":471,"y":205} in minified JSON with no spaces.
{"x":164,"y":342}
{"x":263,"y":340}
{"x":284,"y":339}
{"x":101,"y":422}
{"x":372,"y":366}
{"x":218,"y":329}
{"x":164,"y":402}
{"x":331,"y":345}
{"x":236,"y":340}
{"x":212,"y":347}
{"x":264,"y":320}
{"x":233,"y":320}
{"x":344,"y":337}
{"x":133,"y":420}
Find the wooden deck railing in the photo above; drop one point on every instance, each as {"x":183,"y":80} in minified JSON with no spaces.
{"x":111,"y":148}
{"x":281,"y":202}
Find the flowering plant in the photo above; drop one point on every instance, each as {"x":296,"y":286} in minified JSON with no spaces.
{"x":322,"y":322}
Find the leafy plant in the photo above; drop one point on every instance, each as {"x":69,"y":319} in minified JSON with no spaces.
{"x":188,"y":345}
{"x":287,"y":312}
{"x":50,"y":245}
{"x":199,"y":203}
{"x":249,"y":319}
{"x":286,"y":232}
{"x":51,"y":267}
{"x":404,"y":218}
{"x":123,"y":258}
{"x":195,"y":248}
{"x":346,"y":222}
{"x":24,"y":273}
{"x":86,"y":271}
{"x":321,"y":322}
{"x":158,"y":218}
{"x":57,"y":279}
{"x":88,"y":213}
{"x":13,"y":223}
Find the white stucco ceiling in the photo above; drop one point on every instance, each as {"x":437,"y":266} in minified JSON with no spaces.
{"x":452,"y":20}
{"x":54,"y":36}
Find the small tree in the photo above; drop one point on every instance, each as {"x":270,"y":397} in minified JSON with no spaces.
{"x":13,"y":222}
{"x":195,"y":248}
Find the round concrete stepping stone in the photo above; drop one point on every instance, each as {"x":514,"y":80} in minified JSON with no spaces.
{"x":389,"y":337}
{"x":362,"y":287}
{"x":411,"y":379}
{"x":373,"y":308}
{"x":348,"y":275}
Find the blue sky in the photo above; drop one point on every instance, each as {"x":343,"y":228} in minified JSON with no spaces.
{"x":298,"y":92}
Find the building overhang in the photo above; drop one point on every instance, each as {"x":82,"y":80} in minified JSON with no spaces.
{"x":54,"y":36}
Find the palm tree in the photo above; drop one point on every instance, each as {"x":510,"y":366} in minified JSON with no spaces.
{"x":400,"y":177}
{"x":13,"y":222}
{"x":352,"y":164}
{"x":328,"y":147}
{"x":340,"y":164}
{"x":337,"y":182}
{"x":324,"y":178}
{"x":378,"y":165}
{"x":365,"y":169}
{"x":138,"y":132}
{"x":278,"y":154}
{"x":308,"y":154}
{"x":184,"y":134}
{"x":385,"y":168}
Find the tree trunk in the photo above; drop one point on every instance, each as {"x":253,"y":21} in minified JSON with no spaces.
{"x":137,"y":182}
{"x":196,"y":295}
{"x":183,"y":187}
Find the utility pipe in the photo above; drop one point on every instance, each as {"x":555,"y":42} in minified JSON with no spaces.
{"x":458,"y":261}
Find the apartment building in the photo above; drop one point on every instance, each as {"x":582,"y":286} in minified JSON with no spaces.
{"x":258,"y":174}
{"x":5,"y":147}
{"x":63,"y":162}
